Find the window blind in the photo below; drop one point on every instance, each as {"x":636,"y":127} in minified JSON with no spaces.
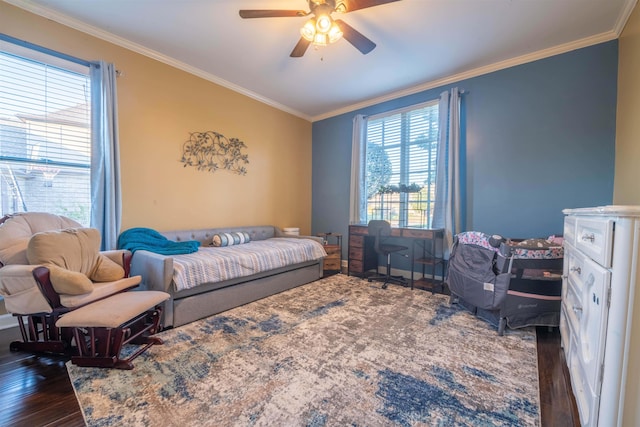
{"x":45,"y":134}
{"x":405,"y":188}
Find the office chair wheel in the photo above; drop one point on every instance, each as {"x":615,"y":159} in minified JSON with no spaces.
{"x":384,"y":285}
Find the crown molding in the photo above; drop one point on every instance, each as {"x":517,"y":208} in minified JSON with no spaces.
{"x":497,"y":66}
{"x":629,"y":5}
{"x":127,"y":44}
{"x":626,"y":12}
{"x":523,"y":59}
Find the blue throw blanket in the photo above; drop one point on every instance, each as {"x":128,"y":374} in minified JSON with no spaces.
{"x":150,"y":240}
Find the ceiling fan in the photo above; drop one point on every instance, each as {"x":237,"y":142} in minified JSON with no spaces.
{"x":322,"y":29}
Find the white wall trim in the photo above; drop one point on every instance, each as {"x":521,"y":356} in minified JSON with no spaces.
{"x":119,"y":41}
{"x":624,"y":16}
{"x":104,"y":35}
{"x":497,"y":66}
{"x":8,"y":321}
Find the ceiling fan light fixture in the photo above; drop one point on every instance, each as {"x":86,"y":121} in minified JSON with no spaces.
{"x":323,"y":24}
{"x":308,"y":30}
{"x":322,"y":29}
{"x":335,"y":33}
{"x":320,"y":39}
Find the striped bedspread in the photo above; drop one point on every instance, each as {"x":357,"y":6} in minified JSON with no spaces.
{"x":216,"y":264}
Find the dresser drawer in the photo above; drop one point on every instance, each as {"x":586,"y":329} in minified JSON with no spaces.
{"x":572,"y":306}
{"x":570,"y":230}
{"x":361,"y":230}
{"x":586,"y":398}
{"x":593,"y":319}
{"x":573,"y":266}
{"x":594,"y":237}
{"x":355,"y":266}
{"x":356,"y":253}
{"x":356,"y":241}
{"x":565,"y":333}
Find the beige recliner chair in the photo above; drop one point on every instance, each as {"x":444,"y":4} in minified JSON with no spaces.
{"x":68,"y":296}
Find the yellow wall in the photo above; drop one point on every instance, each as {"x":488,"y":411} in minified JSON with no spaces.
{"x":158,"y":107}
{"x":626,"y":189}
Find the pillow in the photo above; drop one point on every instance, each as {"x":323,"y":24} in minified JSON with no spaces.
{"x":73,"y":258}
{"x":230,"y":239}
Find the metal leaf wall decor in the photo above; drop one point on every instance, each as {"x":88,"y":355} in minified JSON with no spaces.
{"x":211,"y":151}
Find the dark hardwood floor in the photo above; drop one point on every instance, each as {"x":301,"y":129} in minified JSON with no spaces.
{"x":36,"y":391}
{"x":557,"y":404}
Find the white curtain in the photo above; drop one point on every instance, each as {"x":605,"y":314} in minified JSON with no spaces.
{"x":358,"y":203}
{"x":106,"y":207}
{"x":447,"y":214}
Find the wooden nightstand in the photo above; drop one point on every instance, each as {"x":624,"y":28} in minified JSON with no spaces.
{"x":333,"y":260}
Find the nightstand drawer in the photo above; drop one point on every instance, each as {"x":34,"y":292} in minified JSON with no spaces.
{"x":331,"y":264}
{"x":332,"y":250}
{"x":332,"y":243}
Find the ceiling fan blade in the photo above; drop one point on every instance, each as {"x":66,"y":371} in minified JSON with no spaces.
{"x":351,"y":5}
{"x":267,"y":13}
{"x":301,"y":48}
{"x":356,"y":38}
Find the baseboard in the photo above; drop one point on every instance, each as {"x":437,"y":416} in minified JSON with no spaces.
{"x":394,"y":271}
{"x":8,"y":321}
{"x":9,"y":332}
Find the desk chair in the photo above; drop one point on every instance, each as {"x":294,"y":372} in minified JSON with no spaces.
{"x":382,"y":230}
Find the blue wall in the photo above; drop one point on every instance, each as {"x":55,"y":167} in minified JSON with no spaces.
{"x":538,"y":138}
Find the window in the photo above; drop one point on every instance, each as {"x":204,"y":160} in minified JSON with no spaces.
{"x":45,"y":134}
{"x":400,"y":172}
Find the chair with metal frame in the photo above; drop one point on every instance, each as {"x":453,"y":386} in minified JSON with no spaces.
{"x":382,"y":231}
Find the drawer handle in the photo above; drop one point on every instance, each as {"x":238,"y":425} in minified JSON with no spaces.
{"x":575,"y":270}
{"x":588,"y":237}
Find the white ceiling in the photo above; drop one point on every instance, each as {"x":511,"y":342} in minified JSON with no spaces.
{"x":420,"y":43}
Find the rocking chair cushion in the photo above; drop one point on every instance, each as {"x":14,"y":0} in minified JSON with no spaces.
{"x":16,"y":231}
{"x":73,"y":258}
{"x":113,"y":311}
{"x":20,"y":292}
{"x":100,"y":290}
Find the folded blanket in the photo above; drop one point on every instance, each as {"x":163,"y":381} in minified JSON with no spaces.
{"x":150,"y":240}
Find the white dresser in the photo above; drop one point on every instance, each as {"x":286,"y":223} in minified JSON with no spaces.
{"x":599,"y":329}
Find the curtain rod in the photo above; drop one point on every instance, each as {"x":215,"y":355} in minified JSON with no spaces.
{"x":42,"y":49}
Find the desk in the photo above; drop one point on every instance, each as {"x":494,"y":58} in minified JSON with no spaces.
{"x":426,"y":250}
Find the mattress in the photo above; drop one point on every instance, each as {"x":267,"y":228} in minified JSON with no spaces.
{"x":217,"y":264}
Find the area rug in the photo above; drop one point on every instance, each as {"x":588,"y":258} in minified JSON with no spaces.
{"x":339,"y":351}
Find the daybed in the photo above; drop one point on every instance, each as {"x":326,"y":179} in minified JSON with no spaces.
{"x":215,"y":279}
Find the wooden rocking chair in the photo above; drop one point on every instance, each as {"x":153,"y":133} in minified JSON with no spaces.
{"x":91,"y":326}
